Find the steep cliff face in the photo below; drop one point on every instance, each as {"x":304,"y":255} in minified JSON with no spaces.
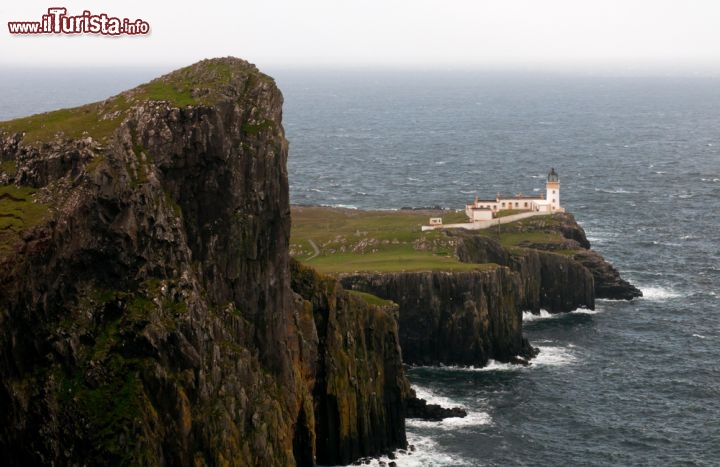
{"x":462,"y":318}
{"x":469,"y":317}
{"x":361,"y":340}
{"x":557,"y":269}
{"x":146,"y":307}
{"x":547,"y":280}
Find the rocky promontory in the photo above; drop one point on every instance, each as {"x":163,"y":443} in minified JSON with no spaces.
{"x":149,"y":312}
{"x":461,"y":293}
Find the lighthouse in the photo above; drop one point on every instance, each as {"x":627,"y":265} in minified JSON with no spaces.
{"x":552,"y":190}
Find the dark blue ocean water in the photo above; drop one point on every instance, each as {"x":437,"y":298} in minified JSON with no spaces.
{"x":630,"y":383}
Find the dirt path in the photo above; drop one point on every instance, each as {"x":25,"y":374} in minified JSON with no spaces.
{"x":314,"y":247}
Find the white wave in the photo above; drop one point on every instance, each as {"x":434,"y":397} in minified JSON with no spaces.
{"x":492,"y":365}
{"x":318,"y":190}
{"x":498,"y":366}
{"x":658,"y":293}
{"x":414,"y":179}
{"x":529,"y":316}
{"x":554,"y":356}
{"x":655,"y":242}
{"x":617,"y":191}
{"x":467,"y":192}
{"x":453,"y":423}
{"x":346,"y":206}
{"x":544,"y":314}
{"x":423,"y":451}
{"x":473,"y":418}
{"x":700,"y":336}
{"x":588,"y":311}
{"x":433,"y":398}
{"x":550,"y":355}
{"x":441,"y":162}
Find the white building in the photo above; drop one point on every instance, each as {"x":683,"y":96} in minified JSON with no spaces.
{"x":487,"y":209}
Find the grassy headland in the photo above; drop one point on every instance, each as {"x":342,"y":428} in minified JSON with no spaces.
{"x":337,"y":240}
{"x":199,"y":84}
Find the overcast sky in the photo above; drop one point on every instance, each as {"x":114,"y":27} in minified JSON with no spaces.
{"x":594,"y":35}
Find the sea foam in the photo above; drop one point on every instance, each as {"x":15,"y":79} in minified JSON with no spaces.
{"x":544,"y":314}
{"x":473,"y":418}
{"x":423,"y":452}
{"x":659,"y":294}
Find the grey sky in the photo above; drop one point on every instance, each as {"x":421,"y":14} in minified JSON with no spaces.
{"x":594,"y":35}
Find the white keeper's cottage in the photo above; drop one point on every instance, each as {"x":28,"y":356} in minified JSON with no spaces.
{"x":487,"y":209}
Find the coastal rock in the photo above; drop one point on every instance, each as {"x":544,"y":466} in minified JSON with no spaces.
{"x":464,"y":318}
{"x":365,"y":412}
{"x":608,"y":283}
{"x":146,"y":306}
{"x":547,"y":280}
{"x":420,"y":409}
{"x":574,"y":250}
{"x":470,"y":317}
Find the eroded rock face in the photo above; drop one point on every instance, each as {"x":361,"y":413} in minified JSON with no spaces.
{"x":149,"y":318}
{"x":563,"y":285}
{"x":463,"y":318}
{"x":366,"y":409}
{"x":467,"y":318}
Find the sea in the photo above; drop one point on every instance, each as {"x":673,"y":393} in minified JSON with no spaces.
{"x":628,"y":383}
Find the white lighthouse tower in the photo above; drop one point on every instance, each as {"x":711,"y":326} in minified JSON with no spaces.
{"x":552,"y":190}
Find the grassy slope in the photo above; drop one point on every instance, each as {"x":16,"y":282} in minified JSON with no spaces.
{"x":390,"y":241}
{"x":383,"y":241}
{"x":18,"y":213}
{"x":194,"y":85}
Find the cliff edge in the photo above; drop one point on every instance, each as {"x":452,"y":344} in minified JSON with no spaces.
{"x":461,"y":293}
{"x":146,"y":301}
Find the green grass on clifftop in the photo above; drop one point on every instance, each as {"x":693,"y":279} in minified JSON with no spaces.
{"x":335,"y":240}
{"x":204,"y":83}
{"x":349,"y":240}
{"x":97,"y":120}
{"x":18,"y":213}
{"x":529,"y":233}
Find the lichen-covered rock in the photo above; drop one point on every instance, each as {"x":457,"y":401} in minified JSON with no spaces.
{"x":147,"y":316}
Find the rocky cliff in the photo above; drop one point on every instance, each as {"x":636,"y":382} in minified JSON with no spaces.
{"x":146,"y":307}
{"x":556,"y":260}
{"x":470,"y":317}
{"x":461,"y":318}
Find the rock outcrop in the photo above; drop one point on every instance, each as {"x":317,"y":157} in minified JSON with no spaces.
{"x":469,"y":317}
{"x":421,"y":410}
{"x":463,"y":318}
{"x":146,"y":306}
{"x":360,"y":386}
{"x":565,"y":256}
